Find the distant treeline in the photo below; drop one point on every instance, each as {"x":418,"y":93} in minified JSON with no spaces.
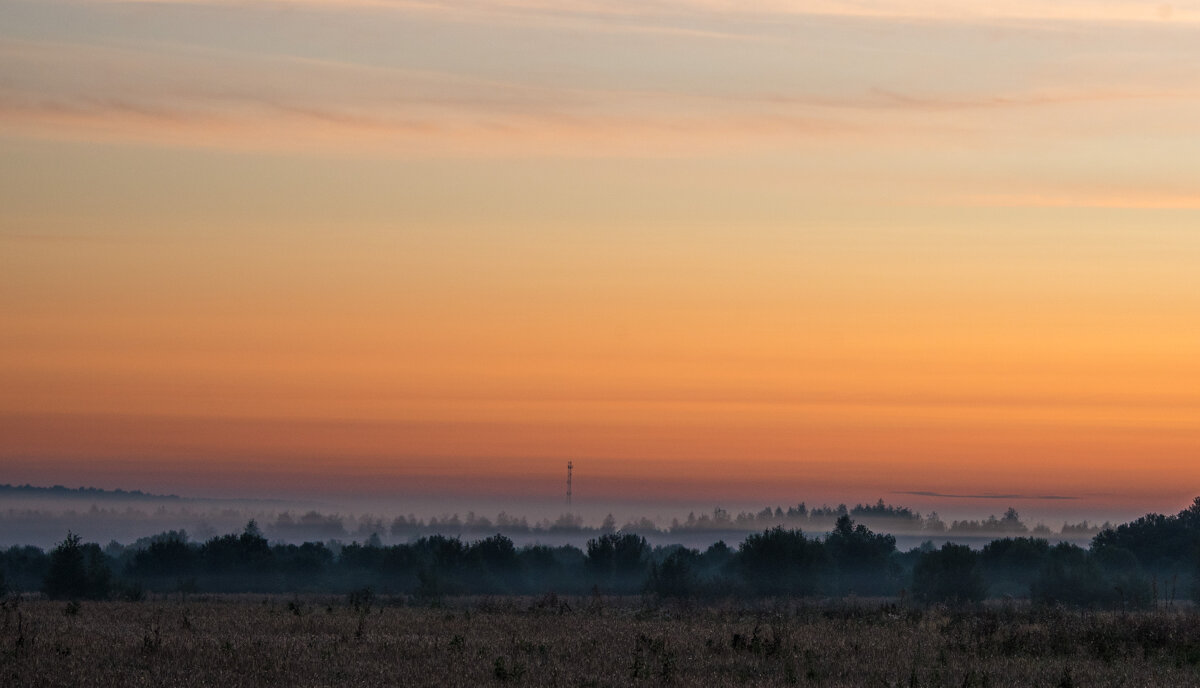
{"x":123,"y":522}
{"x":28,"y":490}
{"x":1132,"y":565}
{"x":880,"y":515}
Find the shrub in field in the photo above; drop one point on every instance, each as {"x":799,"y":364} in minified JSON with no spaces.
{"x":950,"y":574}
{"x":507,"y":671}
{"x":360,"y":600}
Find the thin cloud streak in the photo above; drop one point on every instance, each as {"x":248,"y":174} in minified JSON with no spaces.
{"x":944,"y":495}
{"x":181,"y":97}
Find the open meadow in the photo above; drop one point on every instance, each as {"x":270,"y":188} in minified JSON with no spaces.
{"x":585,"y":641}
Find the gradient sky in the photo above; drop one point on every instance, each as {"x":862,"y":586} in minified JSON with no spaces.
{"x":710,"y":251}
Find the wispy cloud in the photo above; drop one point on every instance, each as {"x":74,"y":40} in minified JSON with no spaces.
{"x":989,"y":496}
{"x":201,"y":97}
{"x":264,"y":101}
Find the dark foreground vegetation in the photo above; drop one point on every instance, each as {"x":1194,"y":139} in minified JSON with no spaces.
{"x":1138,"y":565}
{"x":585,"y":641}
{"x":782,"y":608}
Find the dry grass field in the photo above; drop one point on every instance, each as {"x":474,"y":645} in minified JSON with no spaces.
{"x":326,"y":641}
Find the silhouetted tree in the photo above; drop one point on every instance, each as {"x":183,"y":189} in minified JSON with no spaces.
{"x":308,"y":558}
{"x":538,"y":558}
{"x":166,"y":557}
{"x":719,"y":560}
{"x":882,"y":510}
{"x":441,"y":552}
{"x":862,"y":558}
{"x":439,"y":562}
{"x":783,"y":562}
{"x":618,"y":556}
{"x":950,"y":574}
{"x":1010,"y":564}
{"x":77,"y":571}
{"x":609,"y":525}
{"x":1011,"y":522}
{"x":67,"y":577}
{"x":365,"y":557}
{"x":245,"y":553}
{"x":1073,"y":577}
{"x":496,"y":553}
{"x":24,"y":567}
{"x":497,"y":563}
{"x":1160,"y":543}
{"x":933,"y":523}
{"x":676,"y":576}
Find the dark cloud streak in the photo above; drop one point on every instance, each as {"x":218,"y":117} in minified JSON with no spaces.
{"x":928,"y":493}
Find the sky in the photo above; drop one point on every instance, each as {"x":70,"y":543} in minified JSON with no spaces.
{"x":712,"y":252}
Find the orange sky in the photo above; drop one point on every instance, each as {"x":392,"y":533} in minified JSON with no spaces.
{"x":707,"y":251}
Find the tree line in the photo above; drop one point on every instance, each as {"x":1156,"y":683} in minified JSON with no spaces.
{"x":719,"y":521}
{"x":1132,"y":565}
{"x":124,"y":520}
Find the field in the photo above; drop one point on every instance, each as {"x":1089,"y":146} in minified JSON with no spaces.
{"x":588,"y":641}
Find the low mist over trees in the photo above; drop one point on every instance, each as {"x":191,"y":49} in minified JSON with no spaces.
{"x":40,"y":516}
{"x":1133,"y":565}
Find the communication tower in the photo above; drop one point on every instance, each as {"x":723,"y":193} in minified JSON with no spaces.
{"x":569,"y":467}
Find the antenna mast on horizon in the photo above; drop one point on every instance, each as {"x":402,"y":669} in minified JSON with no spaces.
{"x":569,"y":467}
